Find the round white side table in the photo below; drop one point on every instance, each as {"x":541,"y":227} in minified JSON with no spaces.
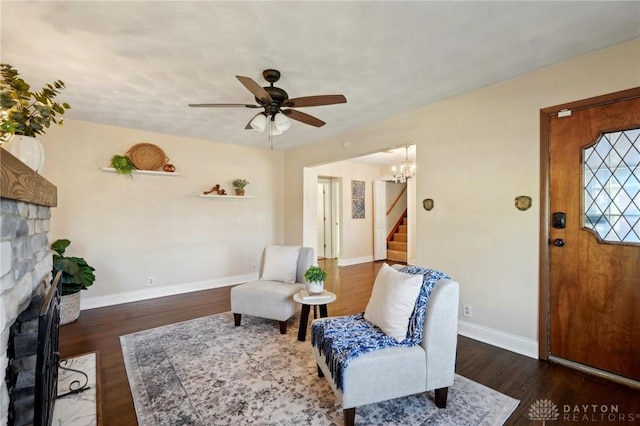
{"x":320,"y":301}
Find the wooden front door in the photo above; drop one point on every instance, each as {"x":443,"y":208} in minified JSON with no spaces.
{"x":594,"y":236}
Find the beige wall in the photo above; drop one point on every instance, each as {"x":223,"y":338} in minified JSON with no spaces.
{"x":476,"y":153}
{"x":157,"y":226}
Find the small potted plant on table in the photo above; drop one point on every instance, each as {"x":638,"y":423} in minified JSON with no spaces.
{"x":76,"y":275}
{"x":315,"y":277}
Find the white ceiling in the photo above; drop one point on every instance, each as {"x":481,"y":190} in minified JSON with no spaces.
{"x":138,"y":64}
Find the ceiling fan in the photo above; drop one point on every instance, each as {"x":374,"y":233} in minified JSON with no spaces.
{"x":273,"y":100}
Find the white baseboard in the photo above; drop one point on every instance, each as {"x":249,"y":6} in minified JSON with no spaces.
{"x":355,"y":260}
{"x":134,"y":296}
{"x":501,"y":339}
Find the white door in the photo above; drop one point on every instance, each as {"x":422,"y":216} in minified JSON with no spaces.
{"x":379,"y":220}
{"x":334,"y":249}
{"x":325,"y":219}
{"x":321,"y":221}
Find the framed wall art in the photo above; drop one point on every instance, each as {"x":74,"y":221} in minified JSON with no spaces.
{"x":357,"y":199}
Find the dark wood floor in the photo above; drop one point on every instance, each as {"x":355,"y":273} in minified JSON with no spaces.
{"x":520,"y":377}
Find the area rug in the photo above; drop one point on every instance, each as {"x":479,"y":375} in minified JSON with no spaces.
{"x":208,"y":372}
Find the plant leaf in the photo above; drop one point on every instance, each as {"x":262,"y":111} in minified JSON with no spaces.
{"x":59,"y":246}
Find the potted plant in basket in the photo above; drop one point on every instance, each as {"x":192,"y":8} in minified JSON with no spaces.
{"x":315,"y":277}
{"x":76,"y":275}
{"x":239,"y":184}
{"x":25,"y":114}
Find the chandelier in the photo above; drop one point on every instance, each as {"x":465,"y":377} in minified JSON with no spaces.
{"x":406,"y":170}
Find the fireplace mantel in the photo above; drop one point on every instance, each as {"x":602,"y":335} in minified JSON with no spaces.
{"x":19,"y":182}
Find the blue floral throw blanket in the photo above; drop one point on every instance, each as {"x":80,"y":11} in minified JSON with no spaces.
{"x":343,"y":339}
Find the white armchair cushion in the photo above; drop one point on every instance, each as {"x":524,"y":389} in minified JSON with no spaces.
{"x":280,"y":263}
{"x":392,"y":301}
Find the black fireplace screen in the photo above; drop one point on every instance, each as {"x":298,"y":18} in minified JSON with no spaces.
{"x":47,"y":357}
{"x":32,"y":385}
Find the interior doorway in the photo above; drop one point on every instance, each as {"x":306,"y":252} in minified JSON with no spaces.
{"x":335,"y":238}
{"x":394,"y":220}
{"x":328,"y":224}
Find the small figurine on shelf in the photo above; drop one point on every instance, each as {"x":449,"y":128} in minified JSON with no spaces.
{"x":216,"y":189}
{"x":169,"y":168}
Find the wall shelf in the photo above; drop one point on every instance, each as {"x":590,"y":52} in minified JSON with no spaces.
{"x":224,"y":196}
{"x":143,"y":172}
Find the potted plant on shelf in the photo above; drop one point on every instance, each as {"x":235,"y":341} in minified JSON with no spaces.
{"x":123,"y":165}
{"x":239,"y":184}
{"x":26,"y":114}
{"x":315,"y":277}
{"x":76,"y":275}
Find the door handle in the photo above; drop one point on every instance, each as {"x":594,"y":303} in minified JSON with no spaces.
{"x":558,"y":242}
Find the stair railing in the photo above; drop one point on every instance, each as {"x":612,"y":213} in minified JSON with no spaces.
{"x":396,"y":200}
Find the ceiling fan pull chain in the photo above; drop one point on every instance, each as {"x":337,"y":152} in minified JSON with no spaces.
{"x":270,"y":137}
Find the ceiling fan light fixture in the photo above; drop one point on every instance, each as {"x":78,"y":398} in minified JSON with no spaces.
{"x":259,"y":123}
{"x":274,"y":129}
{"x":281,"y":122}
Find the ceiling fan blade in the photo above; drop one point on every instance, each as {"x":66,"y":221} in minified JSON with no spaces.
{"x":304,"y":118}
{"x":257,"y":90}
{"x":223,"y":105}
{"x":319,"y":100}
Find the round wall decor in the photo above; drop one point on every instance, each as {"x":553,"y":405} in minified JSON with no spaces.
{"x":147,"y":156}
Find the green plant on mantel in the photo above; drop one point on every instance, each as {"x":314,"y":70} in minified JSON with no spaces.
{"x":240,"y":183}
{"x":123,"y":165}
{"x":76,"y":273}
{"x":25,"y":112}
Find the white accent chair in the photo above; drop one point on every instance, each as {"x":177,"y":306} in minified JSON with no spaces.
{"x":395,"y":372}
{"x":272,"y":299}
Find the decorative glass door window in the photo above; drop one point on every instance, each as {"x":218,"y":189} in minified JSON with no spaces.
{"x":611,"y":202}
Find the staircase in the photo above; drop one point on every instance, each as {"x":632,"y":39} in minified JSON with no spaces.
{"x":397,"y":245}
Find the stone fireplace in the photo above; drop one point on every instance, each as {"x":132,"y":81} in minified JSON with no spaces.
{"x":25,"y":257}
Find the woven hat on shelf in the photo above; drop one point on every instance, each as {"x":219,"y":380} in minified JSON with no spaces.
{"x":147,"y":156}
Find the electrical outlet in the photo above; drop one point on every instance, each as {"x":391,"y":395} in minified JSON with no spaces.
{"x":152,"y":281}
{"x":466,"y":310}
{"x":253,"y":266}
